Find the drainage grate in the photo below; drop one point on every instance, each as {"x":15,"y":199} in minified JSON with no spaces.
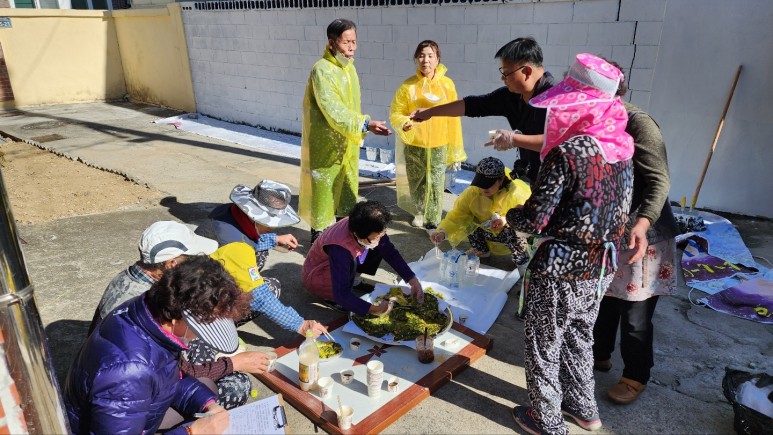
{"x":44,"y":124}
{"x":47,"y":138}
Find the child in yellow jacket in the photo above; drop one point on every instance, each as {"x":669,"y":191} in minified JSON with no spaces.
{"x":479,"y":213}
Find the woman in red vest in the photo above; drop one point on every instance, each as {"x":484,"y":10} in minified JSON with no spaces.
{"x":354,"y":245}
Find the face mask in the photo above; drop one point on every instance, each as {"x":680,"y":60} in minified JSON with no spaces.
{"x":368,"y":245}
{"x":343,"y":60}
{"x":426,"y":91}
{"x":432,"y":97}
{"x":184,"y":337}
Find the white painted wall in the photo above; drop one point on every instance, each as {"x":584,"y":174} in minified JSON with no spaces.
{"x":679,"y":56}
{"x":703,"y":42}
{"x":252,"y":66}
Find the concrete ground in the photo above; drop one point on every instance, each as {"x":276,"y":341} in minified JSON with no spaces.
{"x":71,"y":260}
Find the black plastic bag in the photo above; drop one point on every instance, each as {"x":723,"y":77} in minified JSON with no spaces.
{"x":747,"y":420}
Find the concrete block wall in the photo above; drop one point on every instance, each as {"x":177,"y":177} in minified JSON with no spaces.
{"x":250,"y":66}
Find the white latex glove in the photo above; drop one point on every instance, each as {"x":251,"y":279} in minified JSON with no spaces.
{"x":503,"y":140}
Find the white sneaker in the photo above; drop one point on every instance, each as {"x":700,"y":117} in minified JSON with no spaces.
{"x":418,"y":221}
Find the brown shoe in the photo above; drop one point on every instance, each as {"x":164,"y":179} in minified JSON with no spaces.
{"x":626,"y":391}
{"x":602,"y":365}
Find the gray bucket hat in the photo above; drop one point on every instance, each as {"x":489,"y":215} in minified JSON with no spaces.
{"x":267,"y":204}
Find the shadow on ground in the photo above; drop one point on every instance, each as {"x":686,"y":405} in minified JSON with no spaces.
{"x":64,"y":340}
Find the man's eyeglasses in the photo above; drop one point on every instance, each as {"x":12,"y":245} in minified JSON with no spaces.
{"x":504,"y":75}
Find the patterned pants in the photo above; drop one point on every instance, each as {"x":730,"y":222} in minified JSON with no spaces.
{"x":507,"y":237}
{"x":558,"y":353}
{"x":426,"y":171}
{"x":232,"y":390}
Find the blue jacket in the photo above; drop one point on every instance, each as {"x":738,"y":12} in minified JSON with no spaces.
{"x":127,"y":375}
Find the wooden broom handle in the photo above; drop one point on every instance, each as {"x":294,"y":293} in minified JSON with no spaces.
{"x":716,"y":138}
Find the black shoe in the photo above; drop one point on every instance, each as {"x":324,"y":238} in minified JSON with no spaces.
{"x":314,"y":235}
{"x":524,"y":417}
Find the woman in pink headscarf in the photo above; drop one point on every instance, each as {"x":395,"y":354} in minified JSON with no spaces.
{"x":579,"y":205}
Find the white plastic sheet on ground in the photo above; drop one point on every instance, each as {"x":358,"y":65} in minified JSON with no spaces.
{"x":282,"y":144}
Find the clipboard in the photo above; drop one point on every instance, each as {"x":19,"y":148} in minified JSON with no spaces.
{"x":265,"y":416}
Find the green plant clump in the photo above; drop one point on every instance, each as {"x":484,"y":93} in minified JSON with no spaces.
{"x":408,"y":319}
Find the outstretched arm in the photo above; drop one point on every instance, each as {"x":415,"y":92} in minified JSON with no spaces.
{"x":454,"y":108}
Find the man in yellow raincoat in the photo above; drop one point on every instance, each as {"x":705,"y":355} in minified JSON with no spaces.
{"x":333,"y":129}
{"x":424,"y":150}
{"x":479,"y":213}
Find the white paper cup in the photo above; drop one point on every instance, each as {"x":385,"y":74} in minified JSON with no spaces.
{"x":491,"y":134}
{"x":375,"y":378}
{"x":325,"y":385}
{"x":347,"y":376}
{"x":271,"y":361}
{"x":385,"y":155}
{"x":354,"y":343}
{"x":345,"y":415}
{"x":393,"y":384}
{"x":371,"y":153}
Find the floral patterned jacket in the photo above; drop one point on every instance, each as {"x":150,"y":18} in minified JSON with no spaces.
{"x":580,"y":202}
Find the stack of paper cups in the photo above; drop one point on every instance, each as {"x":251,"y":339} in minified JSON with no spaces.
{"x":375,"y":378}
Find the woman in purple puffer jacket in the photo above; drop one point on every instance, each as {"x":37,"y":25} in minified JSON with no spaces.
{"x":127,"y":376}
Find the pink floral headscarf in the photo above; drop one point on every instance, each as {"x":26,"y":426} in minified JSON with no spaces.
{"x":584,"y":103}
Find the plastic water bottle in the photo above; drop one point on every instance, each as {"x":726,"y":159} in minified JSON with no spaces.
{"x":444,"y":268}
{"x":454,"y":271}
{"x":308,"y":366}
{"x":471,"y":271}
{"x":461,"y":265}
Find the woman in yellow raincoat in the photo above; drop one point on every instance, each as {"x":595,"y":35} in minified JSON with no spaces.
{"x":333,"y":129}
{"x":479,"y":213}
{"x":424,"y":150}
